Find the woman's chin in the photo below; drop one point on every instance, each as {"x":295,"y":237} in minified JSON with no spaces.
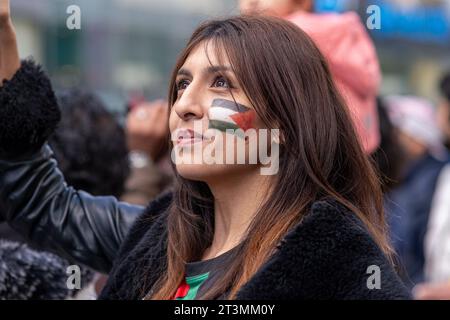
{"x":201,"y":172}
{"x":214,"y":172}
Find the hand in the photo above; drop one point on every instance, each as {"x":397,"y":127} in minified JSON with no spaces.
{"x":147,"y":128}
{"x":9,"y":53}
{"x":5,"y":15}
{"x":432,"y":291}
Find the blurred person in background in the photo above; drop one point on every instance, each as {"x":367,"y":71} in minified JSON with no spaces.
{"x":389,"y":159}
{"x":437,"y":244}
{"x":437,"y":241}
{"x":350,"y":52}
{"x":389,"y":156}
{"x":409,"y":203}
{"x":88,"y":138}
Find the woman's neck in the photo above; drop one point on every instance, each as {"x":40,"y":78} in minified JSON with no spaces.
{"x":236,"y":200}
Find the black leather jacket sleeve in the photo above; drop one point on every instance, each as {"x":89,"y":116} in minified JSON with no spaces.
{"x":35,"y":201}
{"x":34,"y":198}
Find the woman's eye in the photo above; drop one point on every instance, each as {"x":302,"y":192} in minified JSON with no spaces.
{"x":221,"y":82}
{"x":182,"y":84}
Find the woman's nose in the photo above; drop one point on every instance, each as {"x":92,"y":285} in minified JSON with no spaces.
{"x":189,"y":107}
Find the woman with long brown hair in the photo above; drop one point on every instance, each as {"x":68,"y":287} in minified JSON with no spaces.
{"x":313,"y":228}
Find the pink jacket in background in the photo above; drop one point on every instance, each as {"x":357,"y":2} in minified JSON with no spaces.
{"x":353,"y":61}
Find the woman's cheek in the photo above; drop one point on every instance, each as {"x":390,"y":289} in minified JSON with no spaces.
{"x":173,"y":121}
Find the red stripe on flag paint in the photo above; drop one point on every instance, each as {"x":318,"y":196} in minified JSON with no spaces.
{"x":182,"y":290}
{"x":244,"y":120}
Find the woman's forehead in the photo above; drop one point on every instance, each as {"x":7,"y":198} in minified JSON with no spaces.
{"x":205,"y":54}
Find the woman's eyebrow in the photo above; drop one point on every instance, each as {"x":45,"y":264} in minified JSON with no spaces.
{"x":184,"y":72}
{"x":208,"y":70}
{"x":215,"y":69}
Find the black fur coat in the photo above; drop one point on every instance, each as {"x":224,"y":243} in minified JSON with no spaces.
{"x":326,"y":256}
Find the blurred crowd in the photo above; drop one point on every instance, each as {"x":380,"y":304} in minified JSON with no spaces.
{"x":408,"y":138}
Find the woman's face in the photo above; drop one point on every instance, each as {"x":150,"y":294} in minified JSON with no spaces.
{"x":209,"y":102}
{"x":278,"y":8}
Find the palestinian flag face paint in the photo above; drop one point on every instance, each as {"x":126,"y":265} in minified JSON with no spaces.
{"x":227,"y":114}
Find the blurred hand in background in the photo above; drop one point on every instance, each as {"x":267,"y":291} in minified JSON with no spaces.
{"x":147,"y":128}
{"x":432,"y":291}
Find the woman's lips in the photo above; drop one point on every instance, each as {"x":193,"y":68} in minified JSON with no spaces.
{"x":188,"y":137}
{"x":186,"y":142}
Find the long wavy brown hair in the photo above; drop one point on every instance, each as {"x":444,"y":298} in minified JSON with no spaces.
{"x":288,"y":82}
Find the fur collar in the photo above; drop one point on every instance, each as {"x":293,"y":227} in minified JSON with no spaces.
{"x":326,"y":256}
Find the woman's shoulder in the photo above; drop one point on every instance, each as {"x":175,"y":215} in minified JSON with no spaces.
{"x":142,"y":250}
{"x":159,"y":205}
{"x":329,"y":214}
{"x":344,"y":254}
{"x":153,"y":216}
{"x":329,"y":255}
{"x":331,"y":220}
